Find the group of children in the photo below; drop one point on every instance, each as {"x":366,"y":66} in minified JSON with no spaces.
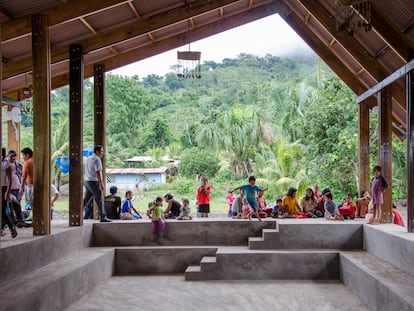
{"x":247,"y":204}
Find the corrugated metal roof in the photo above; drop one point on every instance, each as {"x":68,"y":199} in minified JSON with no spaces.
{"x":137,"y":171}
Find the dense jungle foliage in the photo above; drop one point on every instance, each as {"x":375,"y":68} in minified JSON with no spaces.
{"x":289,"y":121}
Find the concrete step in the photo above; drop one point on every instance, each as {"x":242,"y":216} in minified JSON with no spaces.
{"x":315,"y":234}
{"x":245,"y":264}
{"x":58,"y":284}
{"x":26,"y":254}
{"x":162,"y":259}
{"x":185,"y":233}
{"x":380,"y":285}
{"x":208,"y":263}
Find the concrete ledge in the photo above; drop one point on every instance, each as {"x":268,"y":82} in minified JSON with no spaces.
{"x":155,"y":260}
{"x":57,"y":285}
{"x":25,"y":257}
{"x":391,"y":243}
{"x":233,"y":264}
{"x":195,"y":232}
{"x":378,"y":284}
{"x":318,"y":235}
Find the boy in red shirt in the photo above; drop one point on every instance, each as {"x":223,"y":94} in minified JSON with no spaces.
{"x":348,"y":209}
{"x":203,"y":197}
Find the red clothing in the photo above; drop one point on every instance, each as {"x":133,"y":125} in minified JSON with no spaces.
{"x":203,"y":198}
{"x":348,"y":209}
{"x":397,"y":217}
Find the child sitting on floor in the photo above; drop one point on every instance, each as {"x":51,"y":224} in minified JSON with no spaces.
{"x":185,"y":210}
{"x":348,"y":209}
{"x":246,"y":209}
{"x":128,"y":211}
{"x":331,"y":211}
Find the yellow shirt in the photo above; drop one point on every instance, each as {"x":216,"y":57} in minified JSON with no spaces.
{"x":291,"y":204}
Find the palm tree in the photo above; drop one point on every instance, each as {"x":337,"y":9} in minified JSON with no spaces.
{"x":237,"y":133}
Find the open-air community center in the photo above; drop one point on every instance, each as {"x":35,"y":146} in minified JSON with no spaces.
{"x":199,"y":263}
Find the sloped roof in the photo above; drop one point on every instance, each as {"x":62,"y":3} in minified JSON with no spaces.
{"x":120,"y":32}
{"x":137,"y":171}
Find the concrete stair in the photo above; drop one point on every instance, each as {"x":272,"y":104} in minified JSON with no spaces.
{"x":380,"y":285}
{"x":57,"y":284}
{"x":245,"y":264}
{"x":291,"y":235}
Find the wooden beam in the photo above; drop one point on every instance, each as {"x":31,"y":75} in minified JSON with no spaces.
{"x":120,"y":34}
{"x":67,"y":11}
{"x":75,"y":135}
{"x":363,"y":142}
{"x":354,"y":48}
{"x":385,"y":148}
{"x":386,"y":82}
{"x":410,"y":150}
{"x":89,"y":26}
{"x":400,"y":43}
{"x":164,"y":45}
{"x":1,"y":118}
{"x":99,"y":121}
{"x":41,"y":124}
{"x":133,"y":9}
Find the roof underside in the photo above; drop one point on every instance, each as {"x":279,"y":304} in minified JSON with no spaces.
{"x":119,"y":32}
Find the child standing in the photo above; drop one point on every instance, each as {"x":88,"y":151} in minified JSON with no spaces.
{"x":230,"y":199}
{"x":203,"y":197}
{"x":185,"y":210}
{"x":250,"y":190}
{"x":157,"y":223}
{"x":128,"y":211}
{"x":379,"y":184}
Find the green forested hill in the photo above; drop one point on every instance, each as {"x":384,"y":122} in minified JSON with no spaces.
{"x":289,"y":121}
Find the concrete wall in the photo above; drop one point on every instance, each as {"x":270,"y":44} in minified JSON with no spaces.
{"x":158,"y":260}
{"x":25,"y":257}
{"x":391,"y":243}
{"x":195,"y":232}
{"x":329,"y":235}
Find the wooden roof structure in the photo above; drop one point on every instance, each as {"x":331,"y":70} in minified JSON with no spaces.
{"x":119,"y":32}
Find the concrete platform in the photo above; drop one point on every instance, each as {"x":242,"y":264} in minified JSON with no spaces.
{"x":171,"y":292}
{"x":64,"y":265}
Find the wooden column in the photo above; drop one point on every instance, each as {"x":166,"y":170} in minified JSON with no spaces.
{"x":13,"y":134}
{"x":100,"y":115}
{"x":363,"y":138}
{"x":385,"y":146}
{"x":41,"y":124}
{"x":410,"y":150}
{"x":75,"y":135}
{"x":1,"y":115}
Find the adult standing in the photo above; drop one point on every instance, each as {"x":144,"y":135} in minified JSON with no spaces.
{"x":5,"y":191}
{"x":203,"y":197}
{"x":26,"y":185}
{"x":93,"y":181}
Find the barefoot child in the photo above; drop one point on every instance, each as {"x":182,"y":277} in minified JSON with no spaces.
{"x":379,"y":184}
{"x":250,"y":190}
{"x":203,"y":197}
{"x":157,"y":223}
{"x":246,"y":209}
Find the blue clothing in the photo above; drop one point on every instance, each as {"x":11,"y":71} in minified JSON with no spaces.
{"x":250,"y":192}
{"x":125,"y":206}
{"x":331,"y":208}
{"x":234,"y":205}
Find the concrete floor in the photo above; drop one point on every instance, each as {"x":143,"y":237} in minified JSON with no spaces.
{"x":172,"y":292}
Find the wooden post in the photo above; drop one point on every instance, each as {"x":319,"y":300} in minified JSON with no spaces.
{"x":410,"y":150}
{"x":100,"y":116}
{"x":363,"y":138}
{"x":1,"y":116}
{"x":13,"y":134}
{"x":385,"y":146}
{"x":75,"y":135}
{"x":41,"y":124}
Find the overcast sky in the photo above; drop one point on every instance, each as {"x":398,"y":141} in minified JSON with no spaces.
{"x":269,"y":35}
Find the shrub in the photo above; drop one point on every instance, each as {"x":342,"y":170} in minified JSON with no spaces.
{"x":195,"y":161}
